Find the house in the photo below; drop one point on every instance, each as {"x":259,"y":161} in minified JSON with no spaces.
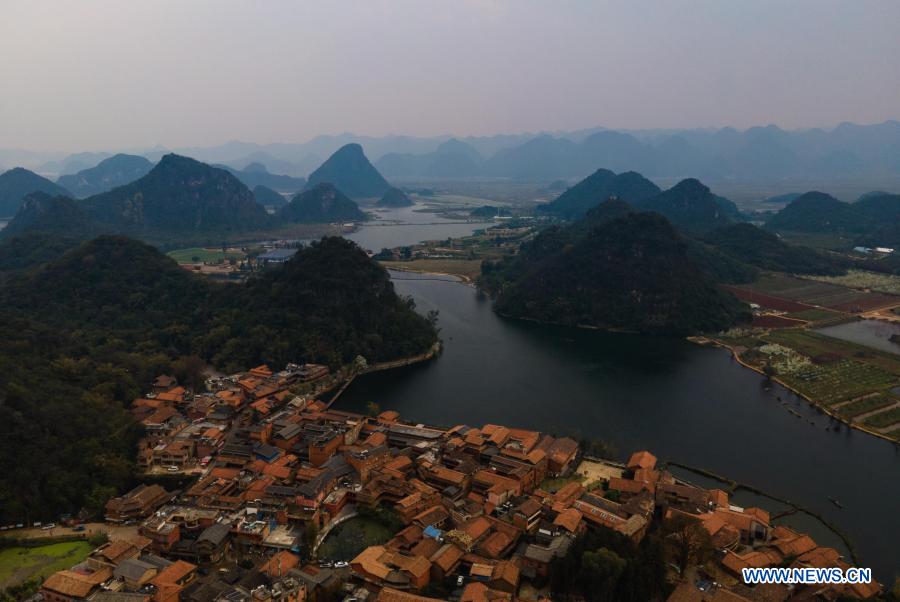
{"x":72,"y":586}
{"x":140,"y":502}
{"x":387,"y":568}
{"x":135,"y":573}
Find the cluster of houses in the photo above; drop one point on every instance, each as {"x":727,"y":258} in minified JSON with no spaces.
{"x":484,"y":512}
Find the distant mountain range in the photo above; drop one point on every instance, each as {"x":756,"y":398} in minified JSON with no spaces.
{"x":351,"y":172}
{"x":256,"y":174}
{"x":689,"y":205}
{"x":110,"y":173}
{"x":17,"y":183}
{"x":630,"y":187}
{"x":873,"y":220}
{"x":757,"y":154}
{"x":614,"y":269}
{"x":178,"y":199}
{"x":452,"y":159}
{"x":267,"y":197}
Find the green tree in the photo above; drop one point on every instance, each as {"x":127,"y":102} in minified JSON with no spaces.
{"x":600,"y":572}
{"x":689,"y":542}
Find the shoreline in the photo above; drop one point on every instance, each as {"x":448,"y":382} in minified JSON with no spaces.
{"x":462,"y":278}
{"x":429,"y":355}
{"x":706,"y":341}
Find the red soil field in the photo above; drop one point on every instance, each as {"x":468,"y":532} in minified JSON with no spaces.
{"x":775,"y":322}
{"x":767,"y":300}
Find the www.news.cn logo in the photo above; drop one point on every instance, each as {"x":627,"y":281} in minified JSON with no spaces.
{"x":806,"y":576}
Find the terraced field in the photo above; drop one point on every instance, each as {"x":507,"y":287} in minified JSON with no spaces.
{"x":863,"y":406}
{"x":838,"y":381}
{"x":884,"y":419}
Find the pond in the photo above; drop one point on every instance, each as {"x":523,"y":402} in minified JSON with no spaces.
{"x":871,"y":333}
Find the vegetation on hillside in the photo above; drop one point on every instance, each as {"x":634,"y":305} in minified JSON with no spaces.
{"x":96,"y":325}
{"x":349,"y":170}
{"x":630,"y":272}
{"x":394,"y":197}
{"x":747,"y":243}
{"x":110,"y":173}
{"x":17,"y":183}
{"x":601,"y":185}
{"x":321,"y":204}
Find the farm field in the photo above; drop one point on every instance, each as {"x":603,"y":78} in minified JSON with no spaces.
{"x":863,"y":406}
{"x":884,"y":419}
{"x":767,"y":301}
{"x":815,"y":345}
{"x":204,"y":255}
{"x":884,"y":283}
{"x":20,"y":564}
{"x":838,"y":381}
{"x":810,"y":292}
{"x":775,"y":322}
{"x":816,"y":315}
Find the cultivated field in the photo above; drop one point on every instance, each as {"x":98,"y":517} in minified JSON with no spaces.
{"x":838,"y":381}
{"x":20,"y":564}
{"x":863,"y":406}
{"x":773,"y":287}
{"x":861,"y":279}
{"x":204,"y":255}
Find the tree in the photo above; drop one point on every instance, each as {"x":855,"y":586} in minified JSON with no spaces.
{"x":190,"y":370}
{"x":600,"y":572}
{"x":373,"y":409}
{"x":689,"y":542}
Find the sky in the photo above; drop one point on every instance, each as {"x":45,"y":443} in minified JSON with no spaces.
{"x":103,"y":75}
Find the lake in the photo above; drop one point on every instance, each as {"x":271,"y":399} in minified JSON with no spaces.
{"x":405,"y":226}
{"x":685,"y":403}
{"x":871,"y":333}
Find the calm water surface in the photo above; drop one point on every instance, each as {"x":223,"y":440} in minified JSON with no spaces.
{"x":871,"y":333}
{"x":685,"y":403}
{"x":408,"y":226}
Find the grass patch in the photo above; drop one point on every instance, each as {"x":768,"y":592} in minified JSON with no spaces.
{"x":884,"y":418}
{"x":862,"y":406}
{"x":204,"y":255}
{"x":553,"y":485}
{"x":816,"y":315}
{"x":19,"y":564}
{"x":350,"y":538}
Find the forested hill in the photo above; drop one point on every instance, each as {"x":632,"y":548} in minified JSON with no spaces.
{"x":350,"y":171}
{"x":321,"y":204}
{"x":43,"y":213}
{"x":94,"y":326}
{"x":872,"y":220}
{"x":17,"y":183}
{"x":691,"y":206}
{"x":178,"y":195}
{"x":602,"y":184}
{"x":624,"y":270}
{"x":117,"y":170}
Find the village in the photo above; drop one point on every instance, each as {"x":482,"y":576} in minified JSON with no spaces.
{"x":262,"y":473}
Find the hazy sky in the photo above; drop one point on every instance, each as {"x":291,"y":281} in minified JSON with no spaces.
{"x":133,"y":73}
